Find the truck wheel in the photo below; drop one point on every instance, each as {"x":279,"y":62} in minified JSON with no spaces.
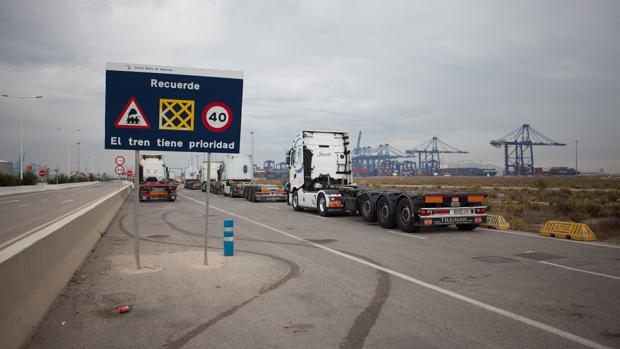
{"x":296,"y":206}
{"x":405,"y":217}
{"x":322,"y":206}
{"x":385,"y":213}
{"x":466,"y":227}
{"x":366,"y":210}
{"x":254,"y":199}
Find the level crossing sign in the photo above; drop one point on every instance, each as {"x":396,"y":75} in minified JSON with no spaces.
{"x":172,"y":108}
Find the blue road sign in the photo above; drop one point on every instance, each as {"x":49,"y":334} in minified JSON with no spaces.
{"x":172,"y":108}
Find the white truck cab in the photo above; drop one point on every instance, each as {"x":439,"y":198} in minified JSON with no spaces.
{"x":319,"y":165}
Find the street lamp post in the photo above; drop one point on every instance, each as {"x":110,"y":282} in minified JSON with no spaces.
{"x":576,"y":169}
{"x":21,"y":130}
{"x":252,"y":134}
{"x":78,"y":156}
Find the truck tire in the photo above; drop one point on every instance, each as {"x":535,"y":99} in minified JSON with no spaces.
{"x":385,"y":213}
{"x":366,"y":209}
{"x":405,"y":217}
{"x":254,"y":198}
{"x":466,"y":227}
{"x":322,"y":206}
{"x":296,"y":206}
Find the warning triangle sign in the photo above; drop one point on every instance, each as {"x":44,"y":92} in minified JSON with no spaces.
{"x":132,"y":116}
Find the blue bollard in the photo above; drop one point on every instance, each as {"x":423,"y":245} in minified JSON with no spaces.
{"x":229,"y":238}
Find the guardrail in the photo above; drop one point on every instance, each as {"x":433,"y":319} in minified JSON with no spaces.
{"x":36,"y":269}
{"x":24,"y":189}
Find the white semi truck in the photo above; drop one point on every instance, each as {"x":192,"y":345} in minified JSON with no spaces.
{"x":234,"y":172}
{"x":191,"y":178}
{"x":320,"y":179}
{"x":214,"y":176}
{"x":155,"y":182}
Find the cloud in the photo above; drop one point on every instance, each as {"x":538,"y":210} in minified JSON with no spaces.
{"x":401,"y":72}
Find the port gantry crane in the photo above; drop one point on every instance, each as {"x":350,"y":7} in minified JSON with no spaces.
{"x":428,"y":155}
{"x":382,"y":160}
{"x":519,"y":149}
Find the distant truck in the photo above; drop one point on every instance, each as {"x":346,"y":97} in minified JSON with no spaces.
{"x":264,"y":192}
{"x":234,"y":172}
{"x":320,"y":179}
{"x":191,"y":178}
{"x":213,"y":177}
{"x":155,"y":182}
{"x":176,"y":173}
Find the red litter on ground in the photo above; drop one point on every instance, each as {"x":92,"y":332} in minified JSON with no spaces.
{"x":123,"y":309}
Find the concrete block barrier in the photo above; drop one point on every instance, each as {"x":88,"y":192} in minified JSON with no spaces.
{"x":496,"y":222}
{"x":36,"y":269}
{"x":568,"y":230}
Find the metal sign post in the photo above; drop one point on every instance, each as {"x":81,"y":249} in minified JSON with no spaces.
{"x":208,"y":189}
{"x":136,"y":213}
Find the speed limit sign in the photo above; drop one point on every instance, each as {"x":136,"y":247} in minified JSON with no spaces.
{"x":217,"y":117}
{"x":119,"y":170}
{"x":119,"y":160}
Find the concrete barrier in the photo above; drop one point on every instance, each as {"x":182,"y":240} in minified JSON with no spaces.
{"x":24,"y":189}
{"x":496,"y":222}
{"x":36,"y":269}
{"x":568,"y":230}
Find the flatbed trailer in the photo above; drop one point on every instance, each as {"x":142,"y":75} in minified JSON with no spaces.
{"x":192,"y":184}
{"x":264,"y":192}
{"x":408,"y":210}
{"x":164,"y":190}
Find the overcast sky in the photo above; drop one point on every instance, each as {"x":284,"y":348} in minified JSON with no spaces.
{"x":400,"y":71}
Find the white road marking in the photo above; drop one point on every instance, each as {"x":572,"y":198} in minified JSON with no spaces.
{"x":66,"y":201}
{"x":44,"y":200}
{"x":275,"y":208}
{"x":547,"y":238}
{"x":7,"y":202}
{"x":556,"y":331}
{"x":581,"y":270}
{"x":407,"y":235}
{"x":22,"y":205}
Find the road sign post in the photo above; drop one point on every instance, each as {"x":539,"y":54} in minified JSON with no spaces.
{"x":207,"y":190}
{"x":136,"y":211}
{"x":161,"y":108}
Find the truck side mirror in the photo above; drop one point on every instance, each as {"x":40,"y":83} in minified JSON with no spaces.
{"x":288,"y":158}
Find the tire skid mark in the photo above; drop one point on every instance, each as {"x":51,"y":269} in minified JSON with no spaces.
{"x":293,"y":272}
{"x":164,"y":217}
{"x":366,"y":320}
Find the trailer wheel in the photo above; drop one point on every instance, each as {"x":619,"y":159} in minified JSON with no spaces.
{"x":466,"y":227}
{"x":385,"y":213}
{"x":322,"y":206}
{"x":366,"y":210}
{"x":405,"y":217}
{"x":296,"y":206}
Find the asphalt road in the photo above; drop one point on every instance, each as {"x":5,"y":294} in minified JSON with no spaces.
{"x":25,"y":213}
{"x":445,"y":287}
{"x":337,"y":282}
